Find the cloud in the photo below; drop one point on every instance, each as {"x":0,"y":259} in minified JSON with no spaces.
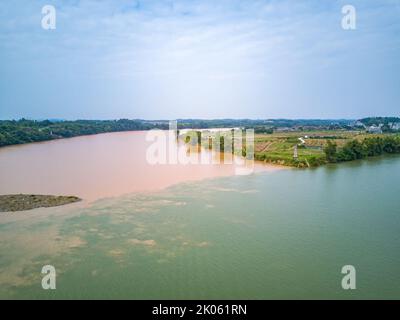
{"x":197,"y":58}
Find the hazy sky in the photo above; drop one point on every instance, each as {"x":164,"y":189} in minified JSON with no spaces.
{"x":170,"y":59}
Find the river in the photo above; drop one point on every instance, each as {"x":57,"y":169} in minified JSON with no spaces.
{"x":272,"y":234}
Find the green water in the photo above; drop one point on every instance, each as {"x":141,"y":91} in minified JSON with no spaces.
{"x":284,"y":234}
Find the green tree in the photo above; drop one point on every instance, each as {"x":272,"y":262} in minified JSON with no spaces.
{"x":221,"y":143}
{"x":331,"y":151}
{"x":352,"y":150}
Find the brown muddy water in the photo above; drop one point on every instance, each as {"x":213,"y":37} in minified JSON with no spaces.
{"x":104,"y":165}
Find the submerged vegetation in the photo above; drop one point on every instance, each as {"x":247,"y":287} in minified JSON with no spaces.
{"x":21,"y":202}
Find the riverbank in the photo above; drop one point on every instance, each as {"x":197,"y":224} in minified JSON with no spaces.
{"x":23,"y":202}
{"x":304,"y":149}
{"x":14,"y":132}
{"x":299,"y":149}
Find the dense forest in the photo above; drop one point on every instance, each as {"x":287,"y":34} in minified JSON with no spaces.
{"x":369,"y":147}
{"x":25,"y":131}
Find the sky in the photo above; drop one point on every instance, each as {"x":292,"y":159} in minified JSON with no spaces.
{"x":171,"y":59}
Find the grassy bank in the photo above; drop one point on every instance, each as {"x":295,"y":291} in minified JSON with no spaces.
{"x":279,"y":147}
{"x":319,"y":147}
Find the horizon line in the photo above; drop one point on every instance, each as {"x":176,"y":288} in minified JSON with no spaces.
{"x":191,"y":119}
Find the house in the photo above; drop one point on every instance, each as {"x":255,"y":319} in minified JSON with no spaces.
{"x":358,"y":124}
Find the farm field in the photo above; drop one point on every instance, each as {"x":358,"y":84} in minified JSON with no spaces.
{"x":279,"y":147}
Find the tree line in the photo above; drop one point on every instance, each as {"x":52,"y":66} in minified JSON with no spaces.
{"x":25,"y":131}
{"x":369,"y":147}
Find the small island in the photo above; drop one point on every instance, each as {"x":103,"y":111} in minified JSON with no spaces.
{"x":22,"y":202}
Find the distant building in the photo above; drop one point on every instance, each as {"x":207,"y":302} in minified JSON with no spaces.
{"x":359,"y":124}
{"x":374,"y":129}
{"x":394,"y":126}
{"x":284,"y":129}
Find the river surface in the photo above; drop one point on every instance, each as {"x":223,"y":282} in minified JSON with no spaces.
{"x":107,"y":165}
{"x":272,"y":234}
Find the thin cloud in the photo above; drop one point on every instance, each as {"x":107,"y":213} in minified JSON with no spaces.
{"x":198,"y":58}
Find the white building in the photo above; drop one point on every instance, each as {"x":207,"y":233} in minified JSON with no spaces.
{"x":374,"y":129}
{"x":359,"y":124}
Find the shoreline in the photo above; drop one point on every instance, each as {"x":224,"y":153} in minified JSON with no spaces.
{"x":112,"y":165}
{"x":304,"y":162}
